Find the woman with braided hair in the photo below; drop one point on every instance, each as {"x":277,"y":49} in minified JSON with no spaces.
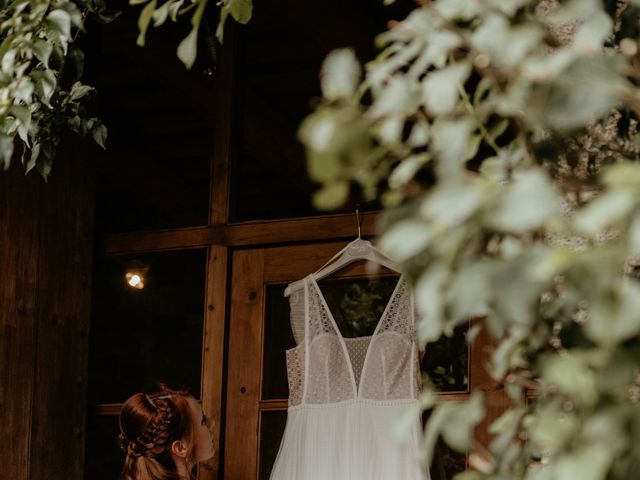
{"x":164,"y":433}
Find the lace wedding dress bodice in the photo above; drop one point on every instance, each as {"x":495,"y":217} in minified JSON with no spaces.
{"x":345,"y":394}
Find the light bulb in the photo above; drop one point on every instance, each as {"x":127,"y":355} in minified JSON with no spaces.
{"x":135,"y":280}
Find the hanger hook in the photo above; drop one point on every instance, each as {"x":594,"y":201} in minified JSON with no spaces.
{"x":358,"y":219}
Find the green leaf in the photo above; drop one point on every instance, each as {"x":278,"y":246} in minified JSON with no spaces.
{"x":451,"y":143}
{"x":400,"y":96}
{"x":505,"y":429}
{"x":33,"y":160}
{"x":78,"y":91}
{"x":45,"y":85}
{"x":605,"y":210}
{"x":61,"y":21}
{"x":23,"y":115}
{"x":331,"y":196}
{"x":469,"y":294}
{"x":99,"y":133}
{"x":340,"y":74}
{"x":589,"y":88}
{"x":174,"y":8}
{"x":144,"y":20}
{"x":614,"y":316}
{"x":407,"y":168}
{"x":550,"y":430}
{"x":188,"y":48}
{"x":430,"y":302}
{"x":592,"y":34}
{"x":6,"y":150}
{"x":452,"y":203}
{"x":571,"y":375}
{"x":634,"y":236}
{"x":503,"y":44}
{"x":590,"y":462}
{"x":23,"y":90}
{"x":42,"y":50}
{"x":457,"y":431}
{"x":406,"y":239}
{"x":419,"y":135}
{"x":441,"y":88}
{"x":241,"y":10}
{"x":527,"y":203}
{"x":457,"y":9}
{"x":160,"y":15}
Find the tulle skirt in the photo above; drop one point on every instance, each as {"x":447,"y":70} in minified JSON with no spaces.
{"x":352,"y":440}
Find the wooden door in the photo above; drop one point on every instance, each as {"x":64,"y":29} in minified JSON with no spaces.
{"x":260,"y":332}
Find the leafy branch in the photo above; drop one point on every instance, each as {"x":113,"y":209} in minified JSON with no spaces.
{"x":40,"y":90}
{"x":524,"y":116}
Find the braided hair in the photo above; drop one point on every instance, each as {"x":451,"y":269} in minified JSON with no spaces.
{"x":149,"y":424}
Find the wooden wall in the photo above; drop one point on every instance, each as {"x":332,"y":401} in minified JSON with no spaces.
{"x":45,"y":270}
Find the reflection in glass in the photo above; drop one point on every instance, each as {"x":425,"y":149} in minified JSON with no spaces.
{"x":447,"y":462}
{"x":271,"y":430}
{"x":103,"y":459}
{"x":446,"y":362}
{"x":155,"y":170}
{"x":357,"y":305}
{"x":278,"y":84}
{"x":141,"y":336}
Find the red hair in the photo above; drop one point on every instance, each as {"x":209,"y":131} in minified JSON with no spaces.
{"x":149,"y":424}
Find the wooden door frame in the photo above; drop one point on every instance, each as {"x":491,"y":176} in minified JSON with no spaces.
{"x":252,"y":271}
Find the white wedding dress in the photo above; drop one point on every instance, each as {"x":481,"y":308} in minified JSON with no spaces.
{"x":347,"y":394}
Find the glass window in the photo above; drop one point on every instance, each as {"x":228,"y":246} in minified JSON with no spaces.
{"x":271,"y":431}
{"x":446,"y":361}
{"x":143,"y":335}
{"x":155,"y":170}
{"x":103,"y":459}
{"x":278,"y":63}
{"x":279,"y":338}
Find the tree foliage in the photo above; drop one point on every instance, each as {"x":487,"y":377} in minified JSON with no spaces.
{"x":40,"y":89}
{"x":502,"y":139}
{"x":159,"y":13}
{"x":41,"y":93}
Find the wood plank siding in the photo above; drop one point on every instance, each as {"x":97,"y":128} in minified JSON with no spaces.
{"x":45,"y":258}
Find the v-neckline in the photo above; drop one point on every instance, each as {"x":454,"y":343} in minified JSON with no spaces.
{"x":385,"y":312}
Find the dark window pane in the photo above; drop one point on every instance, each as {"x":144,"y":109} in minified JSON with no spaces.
{"x":447,"y":362}
{"x":140,"y":336}
{"x":447,"y":462}
{"x":155,"y":170}
{"x":271,"y":430}
{"x":103,"y":459}
{"x":279,"y":58}
{"x":278,"y":338}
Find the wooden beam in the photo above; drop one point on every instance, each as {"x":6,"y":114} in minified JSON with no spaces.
{"x":213,"y":352}
{"x":161,"y":240}
{"x":307,"y":229}
{"x":220,"y":166}
{"x":245,"y":359}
